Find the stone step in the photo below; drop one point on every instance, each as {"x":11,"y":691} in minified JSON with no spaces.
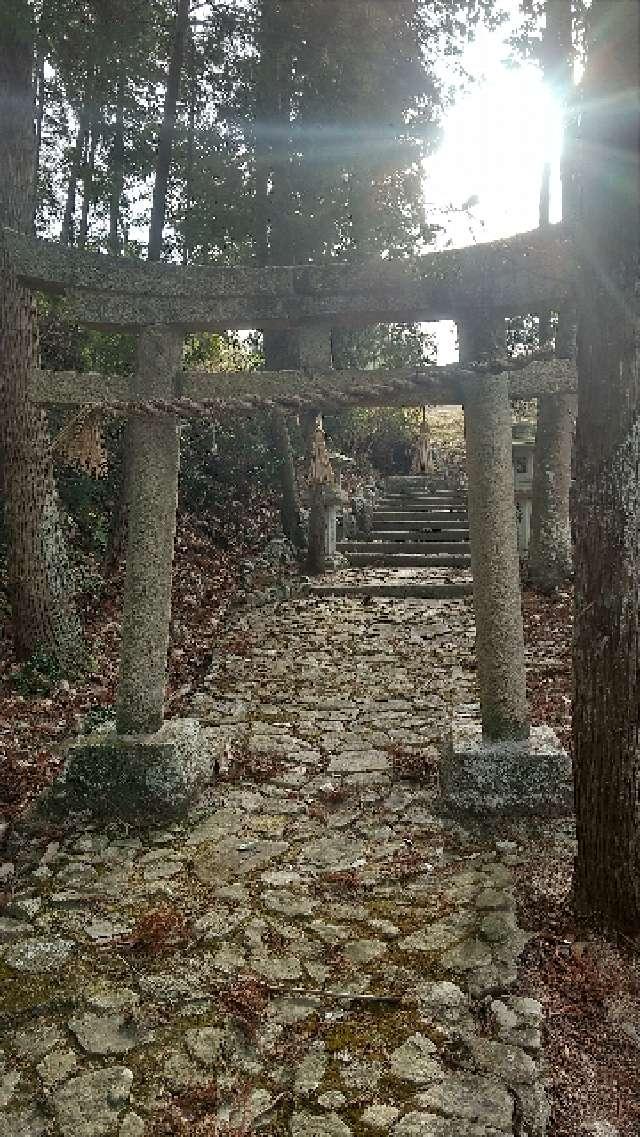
{"x":405,"y":590}
{"x":413,"y":505}
{"x":454,"y":514}
{"x":382,"y":547}
{"x":400,"y":483}
{"x":424,"y":495}
{"x":407,"y":560}
{"x":418,"y":521}
{"x":388,"y":533}
{"x":426,"y":491}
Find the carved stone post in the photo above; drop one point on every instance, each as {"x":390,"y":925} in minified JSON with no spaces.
{"x":152,"y":521}
{"x":497,"y":764}
{"x":145,"y":768}
{"x":550,"y":546}
{"x":331,"y":503}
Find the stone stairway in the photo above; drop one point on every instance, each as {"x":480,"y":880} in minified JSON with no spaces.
{"x":420,"y":532}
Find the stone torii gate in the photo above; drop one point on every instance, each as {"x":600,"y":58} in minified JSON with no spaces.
{"x":152,"y":767}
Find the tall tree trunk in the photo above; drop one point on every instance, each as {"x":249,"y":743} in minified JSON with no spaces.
{"x":88,"y":171}
{"x":117,"y":535}
{"x":40,"y":103}
{"x":272,"y":235}
{"x":316,"y":556}
{"x":68,"y":221}
{"x":544,"y":319}
{"x":606,"y":715}
{"x":289,"y":503}
{"x":117,"y":167}
{"x":40,"y":579}
{"x":167,"y":128}
{"x":549,"y":559}
{"x":281,"y":353}
{"x":189,"y":165}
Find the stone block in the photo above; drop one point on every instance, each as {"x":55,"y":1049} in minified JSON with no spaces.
{"x":144,"y":777}
{"x":516,"y":777}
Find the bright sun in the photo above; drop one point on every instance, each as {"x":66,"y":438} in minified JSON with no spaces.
{"x":496,"y":138}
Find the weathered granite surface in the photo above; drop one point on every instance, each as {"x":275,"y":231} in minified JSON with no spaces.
{"x":145,"y":776}
{"x":515,"y":776}
{"x":524,"y":273}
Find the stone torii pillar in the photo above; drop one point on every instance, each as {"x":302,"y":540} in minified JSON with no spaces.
{"x":498,"y":763}
{"x":549,"y":562}
{"x":145,"y":768}
{"x":155,"y":461}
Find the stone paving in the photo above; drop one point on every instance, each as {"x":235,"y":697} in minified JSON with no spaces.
{"x":314,"y":952}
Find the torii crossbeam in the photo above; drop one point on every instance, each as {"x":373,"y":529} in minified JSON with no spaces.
{"x":517,"y":275}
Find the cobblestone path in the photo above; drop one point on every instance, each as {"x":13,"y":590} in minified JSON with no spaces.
{"x":315,"y":952}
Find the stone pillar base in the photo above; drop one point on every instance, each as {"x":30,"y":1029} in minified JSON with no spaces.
{"x":515,"y":777}
{"x":140,"y":778}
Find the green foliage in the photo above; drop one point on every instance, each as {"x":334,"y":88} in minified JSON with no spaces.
{"x":60,"y":340}
{"x":83,"y":498}
{"x":110,"y":353}
{"x":380,"y":437}
{"x":89,"y":501}
{"x":96,"y":718}
{"x":218,"y":460}
{"x":329,"y":118}
{"x":38,"y":674}
{"x":385,"y":345}
{"x":212,"y":352}
{"x":66,"y":346}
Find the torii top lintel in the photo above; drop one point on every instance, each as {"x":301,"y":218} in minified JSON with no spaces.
{"x":520,"y":274}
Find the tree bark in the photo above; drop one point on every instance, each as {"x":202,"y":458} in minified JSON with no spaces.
{"x":68,"y":222}
{"x":289,"y":501}
{"x":40,"y":102}
{"x":87,"y":184}
{"x":281,"y":348}
{"x":117,"y":535}
{"x":167,"y":128}
{"x":606,"y":713}
{"x":280,"y":352}
{"x":189,"y":165}
{"x":549,"y":558}
{"x":117,"y":168}
{"x":40,"y":579}
{"x":316,"y":558}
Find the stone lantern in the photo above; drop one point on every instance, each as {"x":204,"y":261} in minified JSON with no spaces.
{"x":422,"y":460}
